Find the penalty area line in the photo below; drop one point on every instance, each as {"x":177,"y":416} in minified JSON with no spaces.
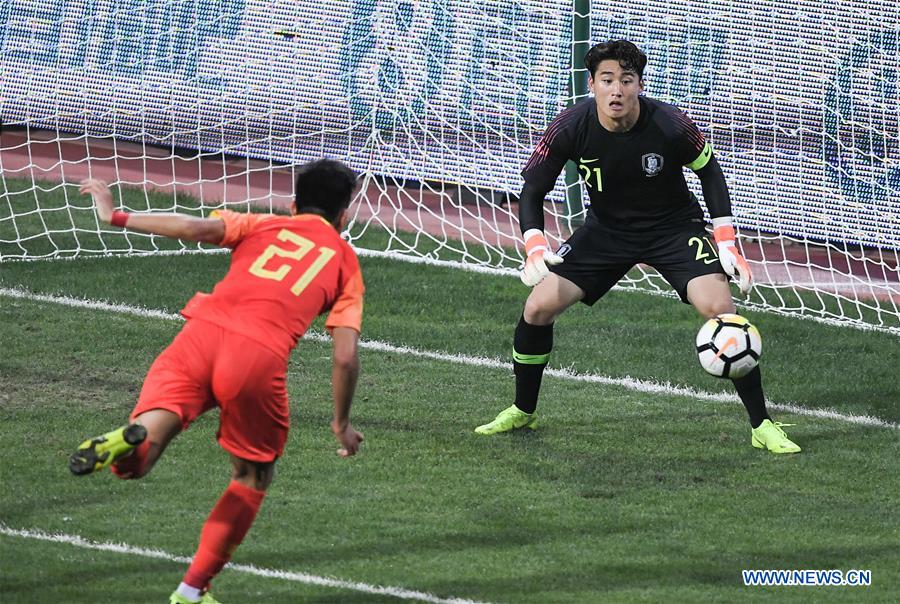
{"x":645,"y":386}
{"x":297,"y":577}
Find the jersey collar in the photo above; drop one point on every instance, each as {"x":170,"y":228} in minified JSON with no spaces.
{"x":310,"y":217}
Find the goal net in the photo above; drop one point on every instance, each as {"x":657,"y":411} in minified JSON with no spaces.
{"x":194,"y":105}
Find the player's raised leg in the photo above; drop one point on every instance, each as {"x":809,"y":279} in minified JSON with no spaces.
{"x":173,"y":394}
{"x":532,"y":345}
{"x":226,"y":527}
{"x":711,"y":296}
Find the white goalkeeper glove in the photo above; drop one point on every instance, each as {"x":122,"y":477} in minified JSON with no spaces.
{"x":539,"y":256}
{"x":729,"y":256}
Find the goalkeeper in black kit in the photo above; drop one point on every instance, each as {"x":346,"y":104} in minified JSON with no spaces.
{"x":630,"y":150}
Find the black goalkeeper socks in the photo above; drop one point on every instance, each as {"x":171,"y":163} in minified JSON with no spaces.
{"x":531,"y":351}
{"x":749,"y":388}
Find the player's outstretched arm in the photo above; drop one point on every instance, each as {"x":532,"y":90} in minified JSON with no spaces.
{"x":344,"y":373}
{"x":176,"y":226}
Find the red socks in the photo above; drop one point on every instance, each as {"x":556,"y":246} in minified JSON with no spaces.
{"x":133,"y":465}
{"x":224,"y":530}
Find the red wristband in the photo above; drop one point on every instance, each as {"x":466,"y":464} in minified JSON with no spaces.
{"x":119,"y":219}
{"x":724,"y":233}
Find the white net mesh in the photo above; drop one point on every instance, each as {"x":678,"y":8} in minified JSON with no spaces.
{"x":196,"y":104}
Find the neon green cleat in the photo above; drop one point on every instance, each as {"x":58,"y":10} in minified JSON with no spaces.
{"x":770,"y":436}
{"x":207,"y":598}
{"x":511,"y":418}
{"x":102,"y":451}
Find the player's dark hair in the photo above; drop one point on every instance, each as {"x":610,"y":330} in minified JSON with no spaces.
{"x":324,"y":187}
{"x":628,"y":55}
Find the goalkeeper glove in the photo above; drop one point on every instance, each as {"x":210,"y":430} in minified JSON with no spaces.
{"x":729,"y":256}
{"x":539,"y":256}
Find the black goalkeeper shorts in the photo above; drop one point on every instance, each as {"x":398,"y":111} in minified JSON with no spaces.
{"x":595,"y":258}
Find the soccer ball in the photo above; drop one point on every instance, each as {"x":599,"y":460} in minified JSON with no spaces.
{"x":728,"y":346}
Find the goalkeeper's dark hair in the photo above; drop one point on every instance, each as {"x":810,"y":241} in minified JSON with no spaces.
{"x":324,"y":187}
{"x":629,"y":56}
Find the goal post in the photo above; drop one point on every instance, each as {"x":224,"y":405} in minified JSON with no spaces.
{"x":578,"y":89}
{"x":438,"y":104}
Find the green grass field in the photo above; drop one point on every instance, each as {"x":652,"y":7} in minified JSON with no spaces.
{"x":621,"y":496}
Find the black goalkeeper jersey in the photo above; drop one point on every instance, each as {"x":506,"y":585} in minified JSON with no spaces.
{"x":634,"y":179}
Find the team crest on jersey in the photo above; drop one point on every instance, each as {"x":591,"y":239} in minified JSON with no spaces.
{"x":652,"y":163}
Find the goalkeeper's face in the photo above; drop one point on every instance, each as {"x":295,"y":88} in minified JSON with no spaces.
{"x":616,"y":91}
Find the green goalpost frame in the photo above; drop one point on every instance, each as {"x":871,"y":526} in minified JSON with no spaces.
{"x":577,"y":89}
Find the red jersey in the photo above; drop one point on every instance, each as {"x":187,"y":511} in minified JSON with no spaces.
{"x":285,"y":271}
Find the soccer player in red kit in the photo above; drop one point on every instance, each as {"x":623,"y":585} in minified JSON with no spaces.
{"x":233,"y":350}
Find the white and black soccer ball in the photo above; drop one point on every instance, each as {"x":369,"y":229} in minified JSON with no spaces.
{"x":729,"y":346}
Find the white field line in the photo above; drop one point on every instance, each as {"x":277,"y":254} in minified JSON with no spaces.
{"x":646,"y":386}
{"x":122,"y":548}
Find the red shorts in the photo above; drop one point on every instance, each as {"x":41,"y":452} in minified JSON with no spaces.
{"x":208,"y":366}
